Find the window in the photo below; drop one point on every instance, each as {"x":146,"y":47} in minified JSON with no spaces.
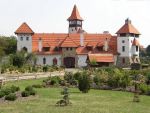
{"x":27,"y":38}
{"x":21,"y":38}
{"x":46,"y":49}
{"x":67,"y":48}
{"x":123,"y":60}
{"x":123,"y":48}
{"x":123,"y":41}
{"x":55,"y":61}
{"x":71,"y":48}
{"x":44,"y":60}
{"x":137,"y":48}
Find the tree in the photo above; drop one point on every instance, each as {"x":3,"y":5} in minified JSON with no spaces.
{"x":84,"y":82}
{"x":148,"y":50}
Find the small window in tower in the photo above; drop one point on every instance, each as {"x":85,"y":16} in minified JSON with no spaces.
{"x":27,"y":38}
{"x":137,"y":48}
{"x":123,"y":60}
{"x":21,"y":38}
{"x":123,"y":48}
{"x":123,"y":41}
{"x":71,"y":48}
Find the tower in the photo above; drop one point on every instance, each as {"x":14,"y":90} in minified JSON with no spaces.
{"x":24,"y":38}
{"x":75,"y":21}
{"x":127,"y":45}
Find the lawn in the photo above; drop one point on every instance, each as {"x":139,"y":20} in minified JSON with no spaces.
{"x":96,"y":101}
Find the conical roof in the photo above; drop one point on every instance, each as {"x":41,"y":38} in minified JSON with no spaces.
{"x":128,"y":28}
{"x":24,"y":29}
{"x":75,"y":14}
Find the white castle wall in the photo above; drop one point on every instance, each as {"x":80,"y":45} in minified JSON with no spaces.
{"x":49,"y":59}
{"x":82,"y":60}
{"x":24,"y":43}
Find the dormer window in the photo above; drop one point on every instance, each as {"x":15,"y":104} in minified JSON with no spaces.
{"x":46,"y":49}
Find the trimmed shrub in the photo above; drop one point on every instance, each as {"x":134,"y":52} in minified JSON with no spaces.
{"x":37,"y":86}
{"x":11,"y":97}
{"x":7,"y":91}
{"x":55,"y":80}
{"x":2,"y":94}
{"x":33,"y":92}
{"x":84,"y":82}
{"x":69,"y":77}
{"x":25,"y":94}
{"x":29,"y":88}
{"x":14,"y":88}
{"x":45,"y":68}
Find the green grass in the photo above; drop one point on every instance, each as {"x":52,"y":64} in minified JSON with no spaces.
{"x":96,"y":101}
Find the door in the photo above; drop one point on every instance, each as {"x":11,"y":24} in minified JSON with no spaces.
{"x":69,"y":62}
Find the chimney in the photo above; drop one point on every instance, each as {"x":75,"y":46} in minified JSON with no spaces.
{"x":81,"y":37}
{"x":127,"y":21}
{"x":106,"y":45}
{"x":40,"y":44}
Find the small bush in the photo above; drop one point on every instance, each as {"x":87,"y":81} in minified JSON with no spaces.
{"x":2,"y":94}
{"x":14,"y":88}
{"x":45,"y":68}
{"x":33,"y":92}
{"x":37,"y":86}
{"x":25,"y":93}
{"x":29,"y":88}
{"x":7,"y":91}
{"x":84,"y":82}
{"x":11,"y":97}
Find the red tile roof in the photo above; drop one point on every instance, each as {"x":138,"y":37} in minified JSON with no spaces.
{"x":75,"y":14}
{"x":101,"y":57}
{"x":24,"y":29}
{"x":135,"y":42}
{"x":128,"y":28}
{"x":73,"y":40}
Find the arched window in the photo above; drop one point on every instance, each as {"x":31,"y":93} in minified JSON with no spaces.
{"x":25,"y":49}
{"x":44,"y":60}
{"x":55,"y":61}
{"x":123,"y":60}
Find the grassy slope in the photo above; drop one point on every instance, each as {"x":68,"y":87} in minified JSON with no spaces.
{"x":96,"y":101}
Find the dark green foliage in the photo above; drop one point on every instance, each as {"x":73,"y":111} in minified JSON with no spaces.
{"x":37,"y":86}
{"x":84,"y":82}
{"x":14,"y":88}
{"x":45,"y":68}
{"x":29,"y":88}
{"x":77,"y":75}
{"x":69,"y":77}
{"x":33,"y":92}
{"x":54,"y":80}
{"x":2,"y":94}
{"x":11,"y":97}
{"x":97,"y":80}
{"x":7,"y":90}
{"x":25,"y":93}
{"x":148,"y":50}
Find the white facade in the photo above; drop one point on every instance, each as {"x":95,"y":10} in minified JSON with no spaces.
{"x":24,"y":41}
{"x":82,"y":60}
{"x":130,"y":50}
{"x":49,"y":59}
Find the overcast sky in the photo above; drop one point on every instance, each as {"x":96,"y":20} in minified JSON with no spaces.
{"x":50,"y":16}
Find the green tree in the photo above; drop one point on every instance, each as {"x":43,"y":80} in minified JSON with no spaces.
{"x":148,"y":50}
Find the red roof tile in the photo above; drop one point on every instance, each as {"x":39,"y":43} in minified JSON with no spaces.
{"x":128,"y":28}
{"x":24,"y":29}
{"x":68,"y":42}
{"x":101,"y":57}
{"x":135,"y":42}
{"x":75,"y":14}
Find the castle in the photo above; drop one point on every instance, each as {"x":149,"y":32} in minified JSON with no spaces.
{"x":77,"y":47}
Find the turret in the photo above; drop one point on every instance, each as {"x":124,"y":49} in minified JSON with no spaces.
{"x":75,"y":21}
{"x":24,"y":38}
{"x":127,"y":43}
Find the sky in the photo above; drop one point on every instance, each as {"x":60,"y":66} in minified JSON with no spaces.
{"x":50,"y":16}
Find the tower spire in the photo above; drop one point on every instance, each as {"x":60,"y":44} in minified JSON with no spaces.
{"x":75,"y":14}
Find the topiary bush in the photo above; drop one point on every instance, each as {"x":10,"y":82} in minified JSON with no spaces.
{"x":11,"y":97}
{"x":29,"y":88}
{"x":14,"y":88}
{"x":33,"y":92}
{"x":7,"y":90}
{"x":25,"y":93}
{"x":84,"y":82}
